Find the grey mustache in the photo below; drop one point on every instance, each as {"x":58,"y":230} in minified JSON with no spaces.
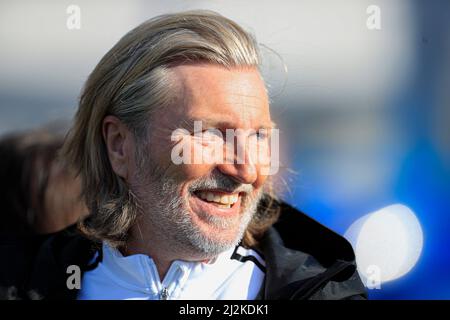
{"x":221,"y":181}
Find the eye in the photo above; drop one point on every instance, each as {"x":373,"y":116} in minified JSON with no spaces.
{"x":212,"y":136}
{"x":262,"y":134}
{"x":209,"y":136}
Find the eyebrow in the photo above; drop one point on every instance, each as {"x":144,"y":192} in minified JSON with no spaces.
{"x":208,"y":123}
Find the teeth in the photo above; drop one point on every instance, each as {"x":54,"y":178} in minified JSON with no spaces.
{"x":223,"y":201}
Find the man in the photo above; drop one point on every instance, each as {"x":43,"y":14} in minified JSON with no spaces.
{"x":205,"y":227}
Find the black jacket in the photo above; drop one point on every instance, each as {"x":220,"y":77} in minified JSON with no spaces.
{"x":304,"y":260}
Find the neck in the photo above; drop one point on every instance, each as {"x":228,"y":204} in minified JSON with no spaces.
{"x":161,"y":253}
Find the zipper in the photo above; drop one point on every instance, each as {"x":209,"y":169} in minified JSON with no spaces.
{"x":164,"y":295}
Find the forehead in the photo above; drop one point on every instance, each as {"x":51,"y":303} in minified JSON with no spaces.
{"x":217,"y":95}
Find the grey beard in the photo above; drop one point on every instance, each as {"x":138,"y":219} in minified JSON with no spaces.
{"x":174,"y":225}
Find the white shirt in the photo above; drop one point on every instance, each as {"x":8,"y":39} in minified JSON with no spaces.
{"x":135,"y":277}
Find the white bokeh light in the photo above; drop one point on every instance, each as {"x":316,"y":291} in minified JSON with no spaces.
{"x":387,"y":243}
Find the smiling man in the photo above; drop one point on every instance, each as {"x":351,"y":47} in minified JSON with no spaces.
{"x":205,"y":229}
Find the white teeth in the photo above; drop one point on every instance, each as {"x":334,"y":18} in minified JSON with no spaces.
{"x":223,"y":201}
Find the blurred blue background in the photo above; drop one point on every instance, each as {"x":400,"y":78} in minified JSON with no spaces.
{"x":364,"y":114}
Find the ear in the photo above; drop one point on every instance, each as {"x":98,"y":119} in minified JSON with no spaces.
{"x":119,"y":144}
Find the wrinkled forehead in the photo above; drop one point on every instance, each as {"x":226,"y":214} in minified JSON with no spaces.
{"x":220,"y":97}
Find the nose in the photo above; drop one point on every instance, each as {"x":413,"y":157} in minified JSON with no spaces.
{"x":242,"y":170}
{"x":240,"y":159}
{"x":243,"y":173}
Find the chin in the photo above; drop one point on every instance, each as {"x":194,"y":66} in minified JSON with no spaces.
{"x":217,"y":226}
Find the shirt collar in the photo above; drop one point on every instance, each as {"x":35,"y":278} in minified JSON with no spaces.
{"x":139,"y":272}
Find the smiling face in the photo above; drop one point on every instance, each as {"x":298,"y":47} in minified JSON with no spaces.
{"x":202,"y":209}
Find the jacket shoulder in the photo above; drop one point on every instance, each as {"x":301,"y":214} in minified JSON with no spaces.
{"x":38,"y":265}
{"x":299,"y":231}
{"x":306,"y":260}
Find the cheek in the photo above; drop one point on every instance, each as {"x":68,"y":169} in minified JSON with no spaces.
{"x":190,"y":158}
{"x":188,"y":172}
{"x":261,"y":179}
